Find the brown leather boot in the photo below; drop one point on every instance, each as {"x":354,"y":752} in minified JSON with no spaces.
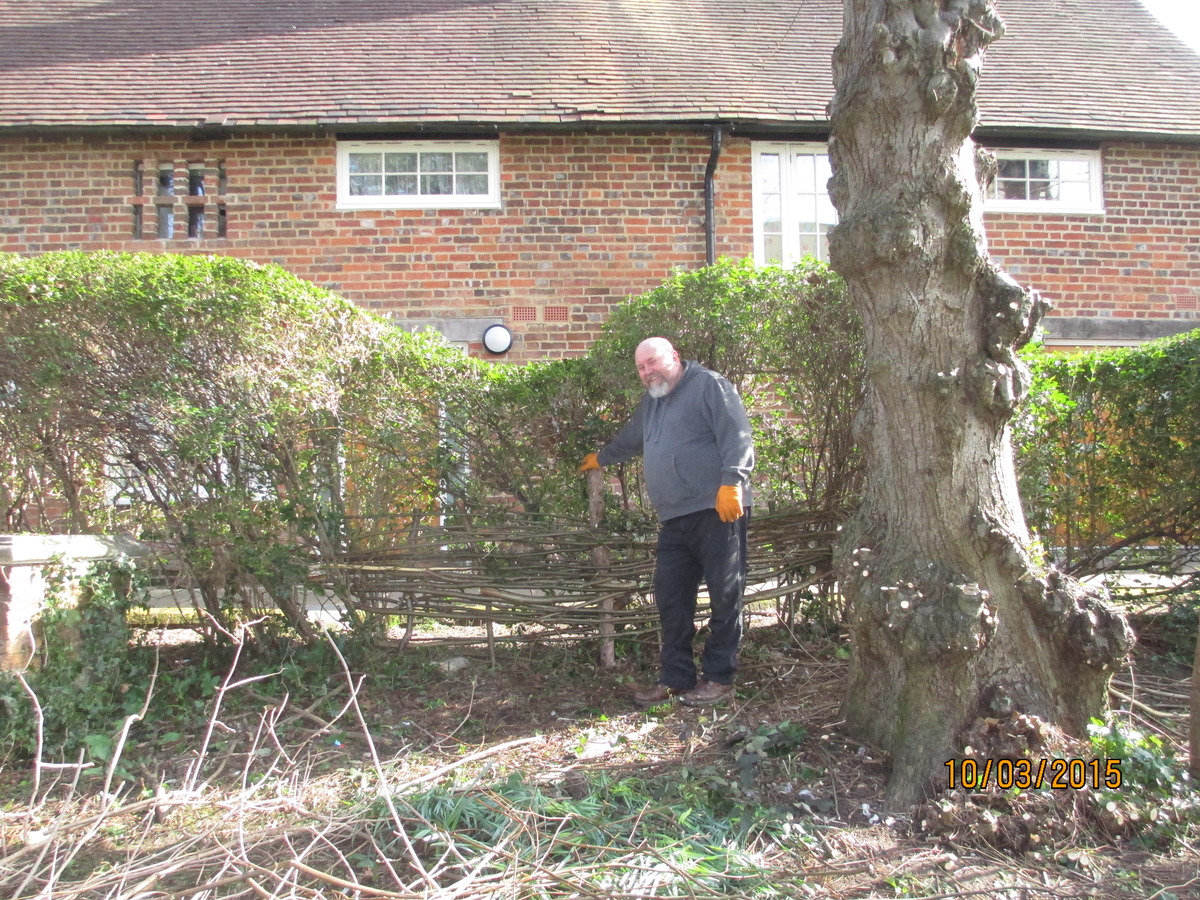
{"x":656,"y":694}
{"x":707,"y":693}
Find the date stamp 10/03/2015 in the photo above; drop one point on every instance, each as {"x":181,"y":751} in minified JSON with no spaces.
{"x":1031,"y":774}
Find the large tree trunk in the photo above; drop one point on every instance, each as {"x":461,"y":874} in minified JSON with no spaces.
{"x":954,"y":612}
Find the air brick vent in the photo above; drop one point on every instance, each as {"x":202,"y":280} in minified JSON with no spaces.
{"x":541,"y":313}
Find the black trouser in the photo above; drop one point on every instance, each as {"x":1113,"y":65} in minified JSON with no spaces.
{"x":691,"y":548}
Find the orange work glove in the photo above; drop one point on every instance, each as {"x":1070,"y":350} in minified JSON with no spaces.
{"x":729,"y":502}
{"x":589,"y":462}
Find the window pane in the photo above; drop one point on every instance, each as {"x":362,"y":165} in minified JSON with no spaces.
{"x":1076,"y":194}
{"x":773,"y":247}
{"x":365,"y":185}
{"x":366,"y":162}
{"x":400,"y":162}
{"x":809,"y":245}
{"x":824,"y":173}
{"x":401,"y":184}
{"x":1042,"y":190}
{"x":1075,"y":170}
{"x":471,"y":184}
{"x":437,"y":162}
{"x":1039,"y":168}
{"x":437,"y":184}
{"x":1012,"y":190}
{"x":826,"y":213}
{"x":470,"y":162}
{"x":772,"y":214}
{"x":804,"y":177}
{"x":768,"y":173}
{"x":1012,"y":168}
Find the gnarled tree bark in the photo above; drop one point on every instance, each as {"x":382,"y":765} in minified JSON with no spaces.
{"x":954,"y":612}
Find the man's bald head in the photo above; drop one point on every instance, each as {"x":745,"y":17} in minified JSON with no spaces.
{"x":658,"y":366}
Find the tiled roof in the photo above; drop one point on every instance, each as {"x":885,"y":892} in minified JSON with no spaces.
{"x":1104,"y":66}
{"x":1094,"y":65}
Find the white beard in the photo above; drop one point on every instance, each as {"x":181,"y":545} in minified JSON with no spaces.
{"x":658,"y":389}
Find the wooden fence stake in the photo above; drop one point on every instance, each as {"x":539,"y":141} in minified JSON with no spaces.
{"x":602,"y":558}
{"x":1194,"y":715}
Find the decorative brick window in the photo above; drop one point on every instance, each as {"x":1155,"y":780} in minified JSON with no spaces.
{"x":792,"y":209}
{"x":200,"y":212}
{"x":1052,"y":181}
{"x":418,"y":175}
{"x":164,"y":201}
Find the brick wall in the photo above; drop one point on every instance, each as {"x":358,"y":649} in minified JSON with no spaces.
{"x":1140,"y":260}
{"x":588,"y":219}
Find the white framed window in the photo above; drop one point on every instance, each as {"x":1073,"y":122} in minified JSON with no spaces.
{"x":792,"y":209}
{"x":1035,"y":180}
{"x":418,"y":174}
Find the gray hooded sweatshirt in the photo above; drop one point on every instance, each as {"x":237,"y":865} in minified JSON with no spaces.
{"x":693,"y":440}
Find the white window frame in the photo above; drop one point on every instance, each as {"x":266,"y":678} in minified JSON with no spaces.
{"x":1095,"y":204}
{"x":790,"y":218}
{"x":488,"y":200}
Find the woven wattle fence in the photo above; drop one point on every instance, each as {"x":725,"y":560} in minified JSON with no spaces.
{"x":549,"y":577}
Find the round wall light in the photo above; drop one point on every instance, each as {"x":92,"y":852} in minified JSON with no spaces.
{"x":497,"y":339}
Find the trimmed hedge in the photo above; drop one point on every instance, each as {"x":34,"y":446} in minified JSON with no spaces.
{"x":231,"y":410}
{"x":1109,"y":455}
{"x":258,"y":425}
{"x":788,"y":339}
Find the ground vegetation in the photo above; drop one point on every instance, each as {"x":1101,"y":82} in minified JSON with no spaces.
{"x":340,"y":769}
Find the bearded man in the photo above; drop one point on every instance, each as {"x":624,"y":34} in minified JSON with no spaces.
{"x":693,"y":434}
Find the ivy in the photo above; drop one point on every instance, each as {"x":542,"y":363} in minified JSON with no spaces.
{"x":85,"y":675}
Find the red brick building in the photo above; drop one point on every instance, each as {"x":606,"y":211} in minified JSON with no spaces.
{"x":533,"y":163}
